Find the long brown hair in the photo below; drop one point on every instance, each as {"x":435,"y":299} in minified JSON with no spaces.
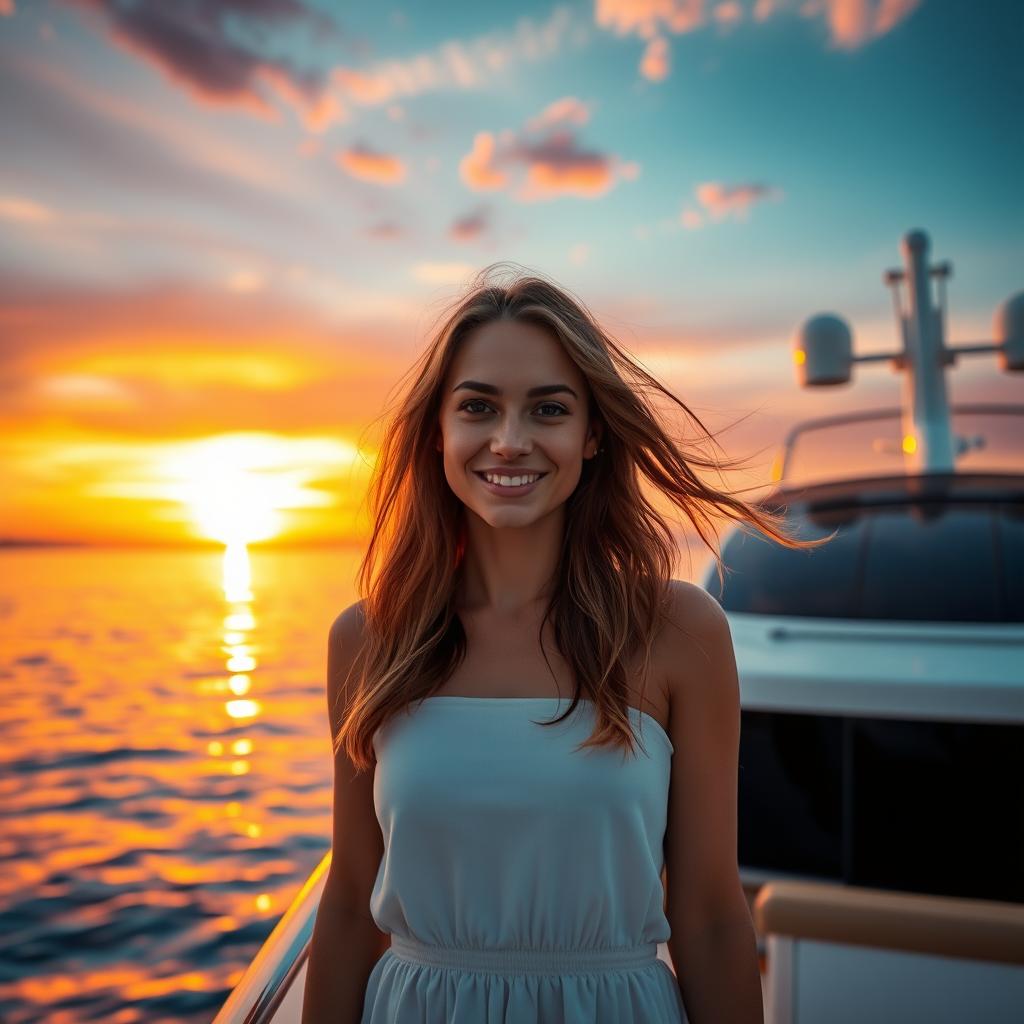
{"x":612,"y":579}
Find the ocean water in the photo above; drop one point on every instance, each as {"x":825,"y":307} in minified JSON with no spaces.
{"x":166,"y":771}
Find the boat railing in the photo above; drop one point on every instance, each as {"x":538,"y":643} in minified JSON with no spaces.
{"x":844,"y":953}
{"x":268,"y":980}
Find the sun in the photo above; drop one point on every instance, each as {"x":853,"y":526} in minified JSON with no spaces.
{"x":230,"y":495}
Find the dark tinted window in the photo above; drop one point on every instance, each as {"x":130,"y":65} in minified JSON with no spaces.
{"x":766,"y":578}
{"x":885,"y":803}
{"x":931,"y":562}
{"x":791,"y":793}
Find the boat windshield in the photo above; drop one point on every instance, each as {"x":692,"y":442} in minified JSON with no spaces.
{"x":869,"y":444}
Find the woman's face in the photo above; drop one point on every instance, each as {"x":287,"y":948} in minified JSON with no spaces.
{"x":510,"y":430}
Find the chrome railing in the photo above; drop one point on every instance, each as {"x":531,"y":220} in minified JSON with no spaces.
{"x":267,"y":980}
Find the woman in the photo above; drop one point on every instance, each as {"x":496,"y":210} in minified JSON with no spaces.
{"x":499,"y":840}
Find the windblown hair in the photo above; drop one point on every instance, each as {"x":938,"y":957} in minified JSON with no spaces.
{"x":611,"y":584}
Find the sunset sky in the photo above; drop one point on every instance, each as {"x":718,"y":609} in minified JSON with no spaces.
{"x":226,"y":227}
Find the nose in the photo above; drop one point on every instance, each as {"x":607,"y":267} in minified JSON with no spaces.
{"x":510,"y":444}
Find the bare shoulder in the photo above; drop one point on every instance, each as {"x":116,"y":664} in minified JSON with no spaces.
{"x":344,"y":645}
{"x":693,"y":609}
{"x":696,"y":645}
{"x":348,"y":624}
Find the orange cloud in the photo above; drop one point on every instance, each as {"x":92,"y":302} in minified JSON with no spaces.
{"x":725,"y":200}
{"x":362,"y":162}
{"x":560,"y":169}
{"x":645,"y":17}
{"x":555,"y":164}
{"x":855,"y":22}
{"x":654,"y":64}
{"x":851,"y":23}
{"x":477,"y":168}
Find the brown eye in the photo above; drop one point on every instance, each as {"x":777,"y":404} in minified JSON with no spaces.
{"x":554,"y":405}
{"x":544,"y":405}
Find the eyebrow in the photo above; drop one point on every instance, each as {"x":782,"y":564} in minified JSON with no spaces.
{"x":490,"y":389}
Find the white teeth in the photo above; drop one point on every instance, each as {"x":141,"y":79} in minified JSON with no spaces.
{"x":511,"y":481}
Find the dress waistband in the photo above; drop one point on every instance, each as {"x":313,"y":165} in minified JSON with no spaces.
{"x":542,"y":961}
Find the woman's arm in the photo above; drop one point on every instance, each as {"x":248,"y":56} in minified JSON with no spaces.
{"x":713,"y":942}
{"x":346,"y":941}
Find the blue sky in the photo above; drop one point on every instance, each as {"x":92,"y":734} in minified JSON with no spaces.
{"x":704,"y":175}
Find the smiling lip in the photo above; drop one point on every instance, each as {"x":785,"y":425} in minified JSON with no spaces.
{"x":511,"y":492}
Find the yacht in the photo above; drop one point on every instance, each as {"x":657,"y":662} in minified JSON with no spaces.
{"x":881,"y":767}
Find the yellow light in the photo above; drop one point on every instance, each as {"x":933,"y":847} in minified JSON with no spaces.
{"x":239,"y":685}
{"x":243,"y":708}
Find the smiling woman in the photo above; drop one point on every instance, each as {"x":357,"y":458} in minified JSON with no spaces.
{"x":519,"y":442}
{"x":486,"y":866}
